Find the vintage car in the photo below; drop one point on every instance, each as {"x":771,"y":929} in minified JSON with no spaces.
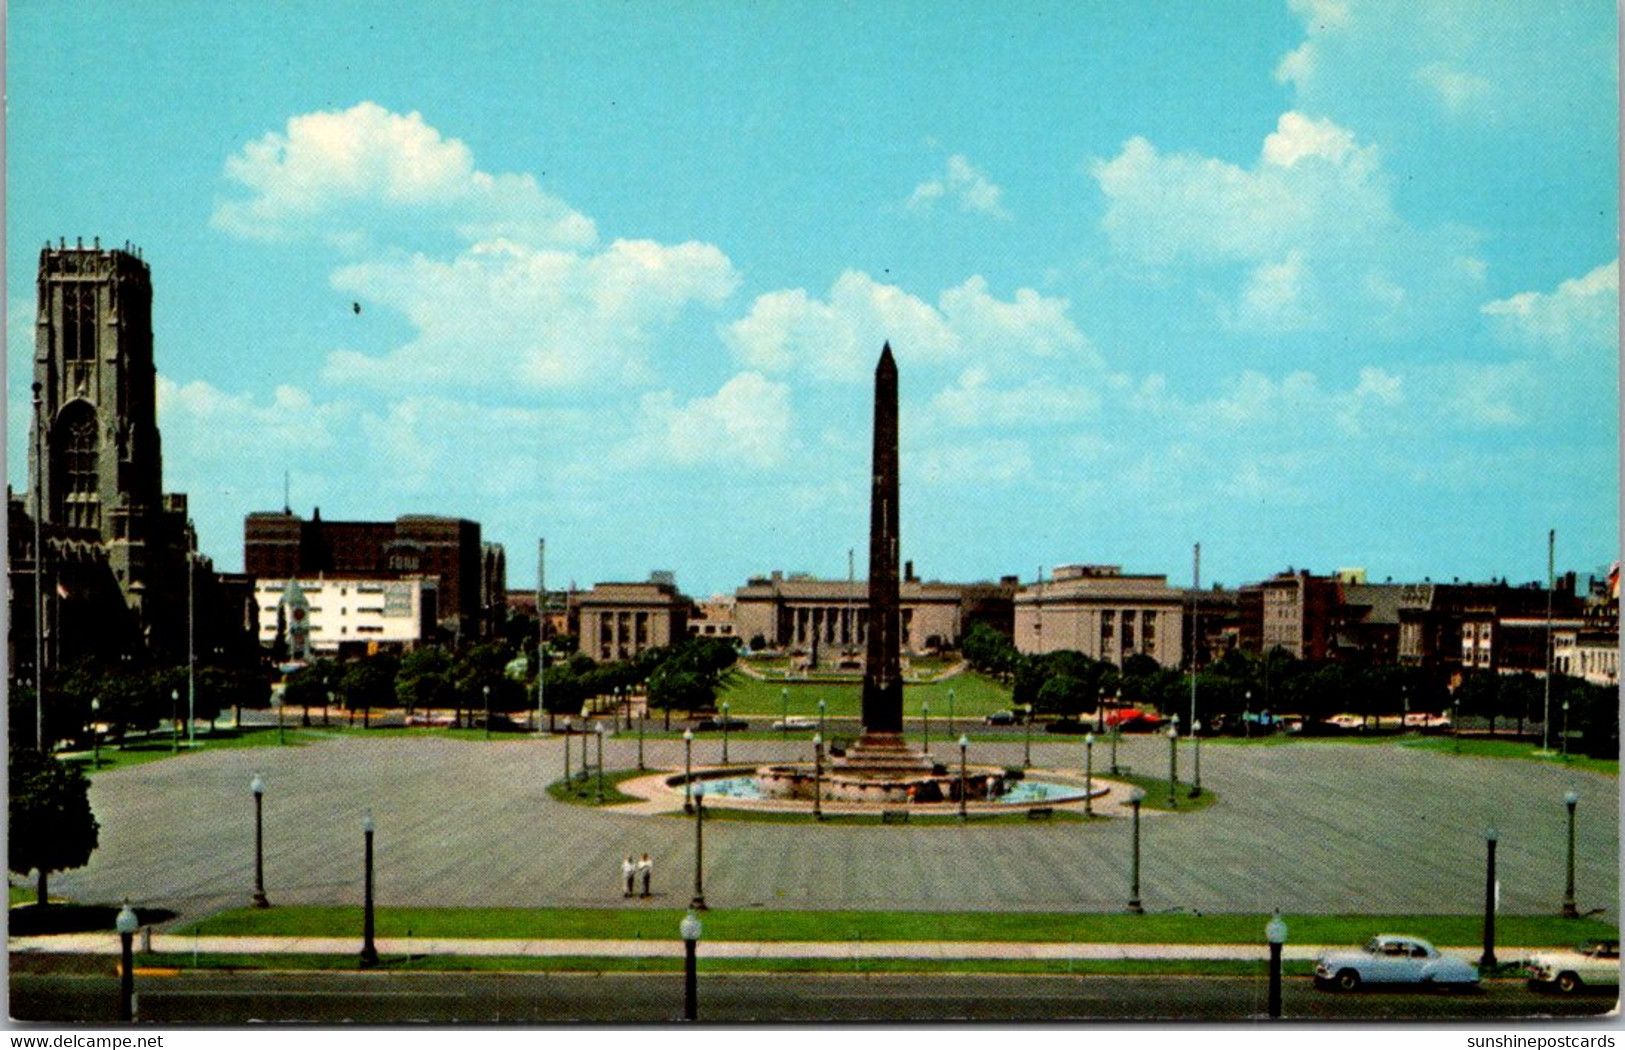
{"x":1593,"y":964}
{"x":796,"y":722}
{"x":1390,"y":958}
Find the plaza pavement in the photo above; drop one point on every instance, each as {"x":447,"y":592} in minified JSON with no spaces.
{"x":1306,"y":827}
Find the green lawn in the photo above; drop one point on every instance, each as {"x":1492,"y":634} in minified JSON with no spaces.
{"x":672,"y":963}
{"x":974,"y":696}
{"x":1508,"y":749}
{"x":583,"y":791}
{"x":638,"y":923}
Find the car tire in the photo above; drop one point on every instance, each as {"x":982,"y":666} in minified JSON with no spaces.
{"x":1567,"y":982}
{"x":1347,"y":980}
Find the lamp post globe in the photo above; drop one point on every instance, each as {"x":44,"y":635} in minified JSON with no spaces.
{"x":257,"y":786}
{"x":568,"y":726}
{"x":1173,"y":763}
{"x":369,"y":948}
{"x":698,"y":903}
{"x":1487,"y":960}
{"x":1135,"y":798}
{"x":964,"y":782}
{"x":818,"y":776}
{"x":1088,"y":774}
{"x":1196,"y":746}
{"x":1275,"y":934}
{"x":1570,"y":909}
{"x":688,"y":770}
{"x":126,"y":924}
{"x":599,"y":732}
{"x":689,"y":929}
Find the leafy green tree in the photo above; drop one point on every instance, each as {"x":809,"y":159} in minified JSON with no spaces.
{"x":369,"y":683}
{"x":424,"y":680}
{"x":310,"y":685}
{"x":50,"y":826}
{"x":1063,"y":694}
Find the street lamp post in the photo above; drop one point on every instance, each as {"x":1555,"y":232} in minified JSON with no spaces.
{"x":1247,"y":716}
{"x":126,"y":924}
{"x":688,"y":770}
{"x":1134,"y":799}
{"x":690,"y":930}
{"x":1088,"y":774}
{"x":1117,"y":726}
{"x":487,"y":691}
{"x":784,"y":712}
{"x":281,"y":728}
{"x":643,"y":717}
{"x":568,"y":724}
{"x":964,"y":783}
{"x":175,"y":721}
{"x":698,"y":903}
{"x":1100,"y":710}
{"x":1570,"y":911}
{"x":925,"y":725}
{"x":191,"y":650}
{"x":950,"y":710}
{"x":821,"y":712}
{"x":327,"y":700}
{"x":1173,"y":767}
{"x":1565,"y":730}
{"x":1487,"y":960}
{"x":585,"y":765}
{"x":818,"y":776}
{"x":1027,"y":746}
{"x":724,"y":732}
{"x":96,"y":733}
{"x":1196,"y":745}
{"x":1275,"y":933}
{"x":257,"y":786}
{"x":369,"y":950}
{"x":600,"y":734}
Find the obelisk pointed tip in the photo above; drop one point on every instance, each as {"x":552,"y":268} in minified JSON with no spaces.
{"x":886,"y":359}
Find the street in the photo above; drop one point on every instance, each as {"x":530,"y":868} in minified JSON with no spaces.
{"x":219,"y":998}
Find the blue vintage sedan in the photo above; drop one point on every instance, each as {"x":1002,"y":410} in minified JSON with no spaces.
{"x":1390,"y":958}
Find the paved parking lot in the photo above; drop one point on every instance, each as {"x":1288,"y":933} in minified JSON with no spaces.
{"x":1306,"y":828}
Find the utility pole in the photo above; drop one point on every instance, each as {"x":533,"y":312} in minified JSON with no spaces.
{"x":1546,"y":714}
{"x":541,"y":628}
{"x":1196,"y":600}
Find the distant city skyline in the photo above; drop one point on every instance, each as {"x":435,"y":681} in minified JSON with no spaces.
{"x":1316,"y":283}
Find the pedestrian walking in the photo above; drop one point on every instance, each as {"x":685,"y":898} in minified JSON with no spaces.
{"x":628,"y":873}
{"x":646,"y":869}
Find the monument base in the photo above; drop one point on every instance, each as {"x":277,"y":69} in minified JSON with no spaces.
{"x":883,"y":755}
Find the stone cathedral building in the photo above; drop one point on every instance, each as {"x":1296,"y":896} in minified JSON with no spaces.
{"x":116,"y":557}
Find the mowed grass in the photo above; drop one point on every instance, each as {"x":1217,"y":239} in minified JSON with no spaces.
{"x":1510,"y":749}
{"x":974,"y":697}
{"x":636,"y":923}
{"x":669,"y":962}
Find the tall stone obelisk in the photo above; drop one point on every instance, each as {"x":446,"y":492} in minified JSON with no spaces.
{"x":882,"y":681}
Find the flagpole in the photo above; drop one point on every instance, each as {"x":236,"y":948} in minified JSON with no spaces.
{"x":541,"y":629}
{"x":1546,"y":715}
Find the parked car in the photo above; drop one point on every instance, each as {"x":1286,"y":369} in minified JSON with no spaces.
{"x":1592,"y":964}
{"x":1390,"y":958}
{"x":795,"y":722}
{"x":716,"y":725}
{"x":1001,"y":718}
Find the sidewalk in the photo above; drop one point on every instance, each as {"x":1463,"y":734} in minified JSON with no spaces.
{"x":108,"y":944}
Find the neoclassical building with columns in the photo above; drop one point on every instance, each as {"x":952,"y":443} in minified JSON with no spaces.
{"x":800,"y":612}
{"x":1104,"y":614}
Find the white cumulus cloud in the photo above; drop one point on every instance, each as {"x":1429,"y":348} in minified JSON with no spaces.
{"x":1581,"y":315}
{"x":746,"y":423}
{"x":330,"y":174}
{"x":502,"y":313}
{"x":962,"y":183}
{"x":838,"y":338}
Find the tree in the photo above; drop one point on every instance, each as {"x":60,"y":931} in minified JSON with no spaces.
{"x":424,"y":679}
{"x":366,"y":684}
{"x":50,"y":827}
{"x":1063,"y":694}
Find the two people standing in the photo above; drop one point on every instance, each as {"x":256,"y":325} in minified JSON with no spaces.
{"x":633,"y":871}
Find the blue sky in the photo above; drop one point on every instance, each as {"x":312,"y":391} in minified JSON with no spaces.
{"x":1317,"y":283}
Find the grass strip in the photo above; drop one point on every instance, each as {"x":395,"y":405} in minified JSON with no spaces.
{"x":674,"y":964}
{"x":583,"y":790}
{"x":634,"y":923}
